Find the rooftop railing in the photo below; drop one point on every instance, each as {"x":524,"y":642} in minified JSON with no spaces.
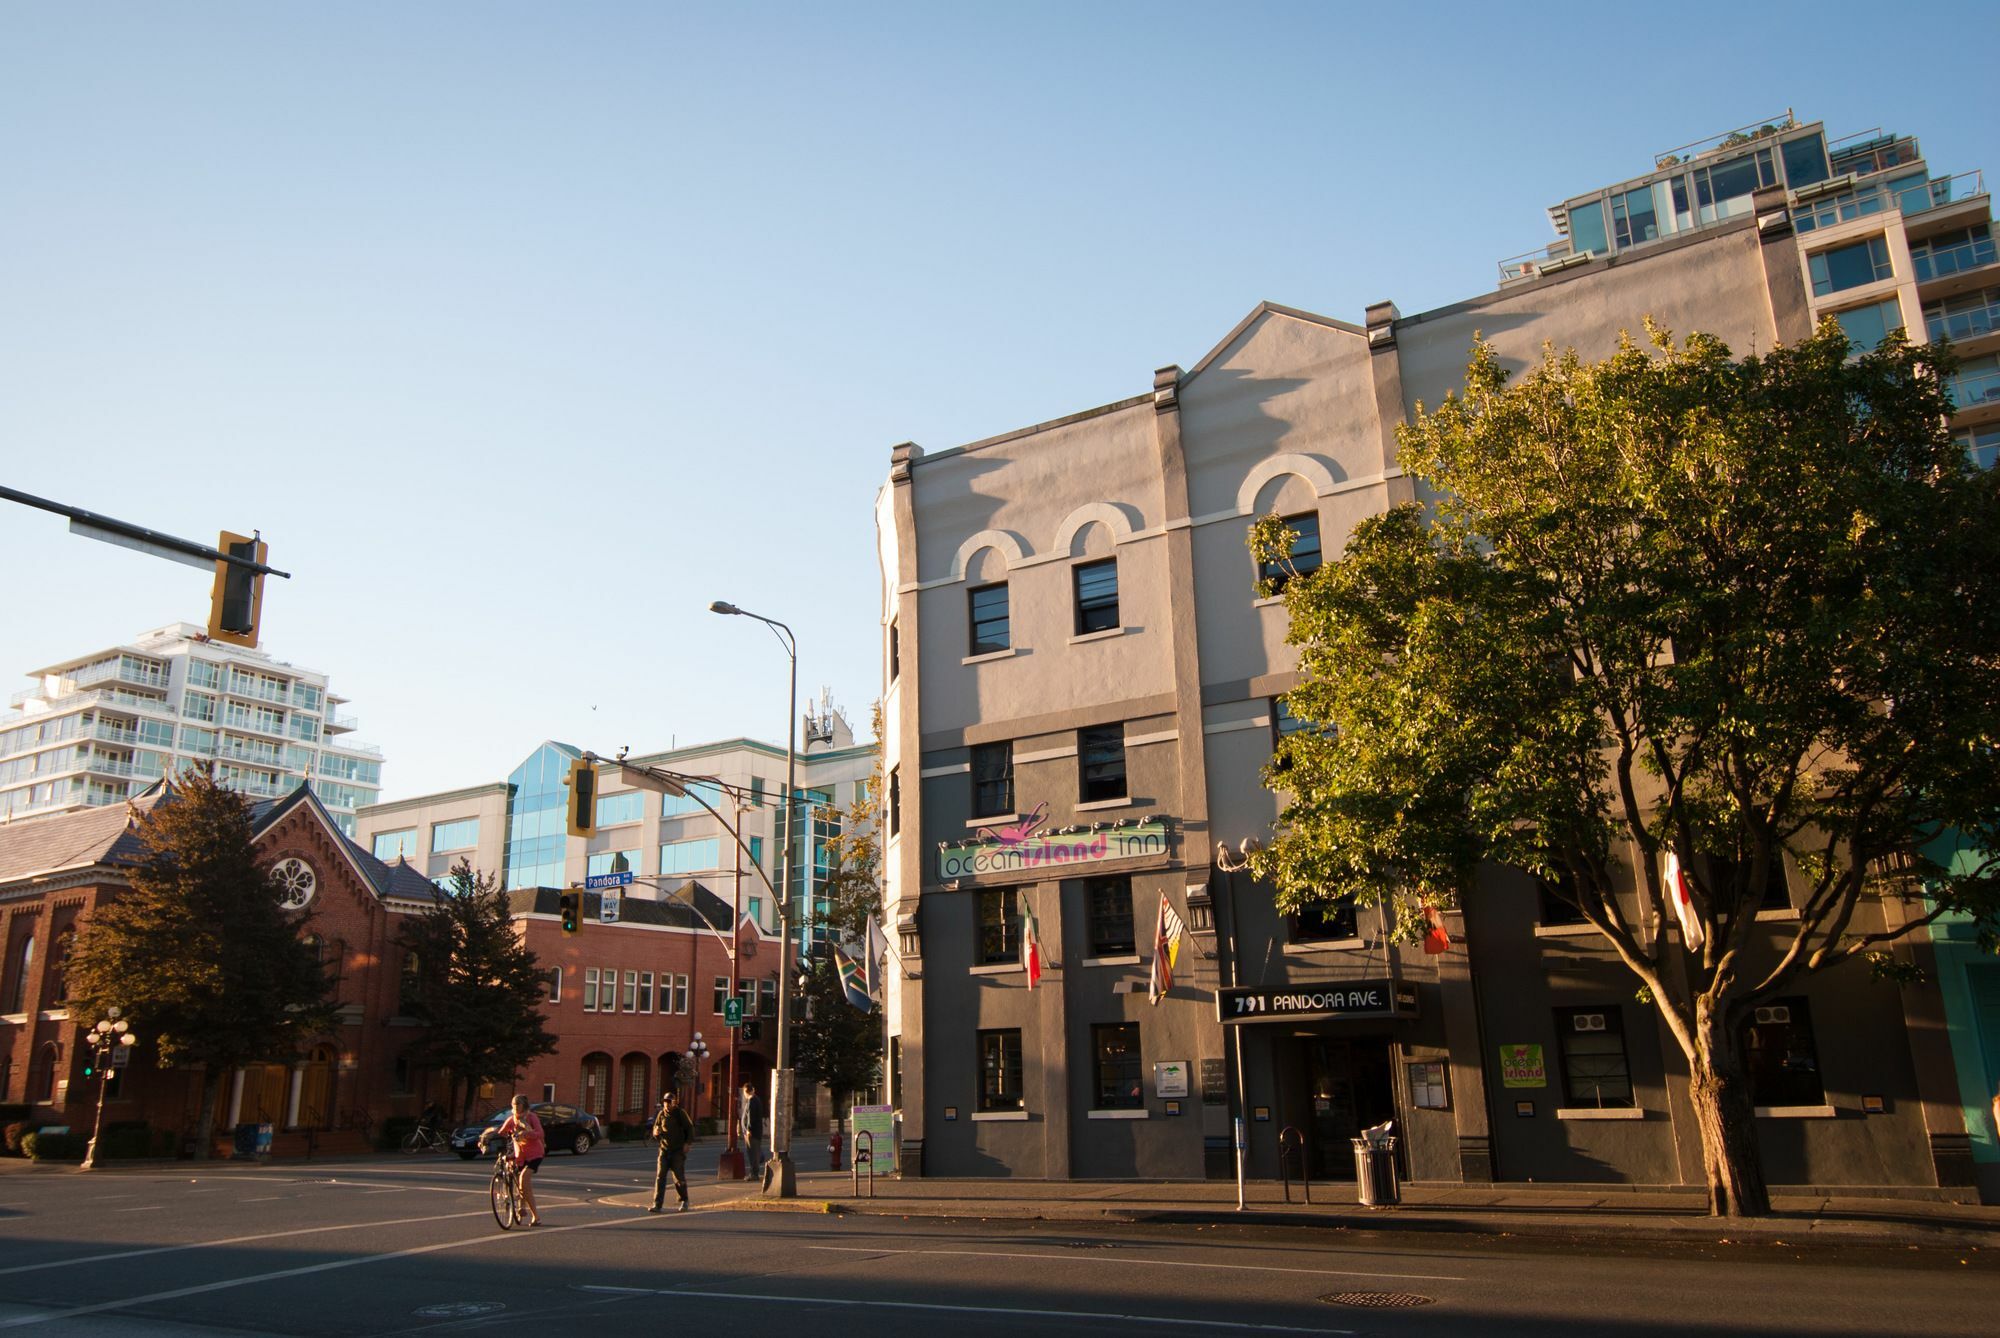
{"x":1728,"y":139}
{"x":1881,"y":197}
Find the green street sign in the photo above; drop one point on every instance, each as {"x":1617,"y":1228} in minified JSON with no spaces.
{"x":732,"y":1012}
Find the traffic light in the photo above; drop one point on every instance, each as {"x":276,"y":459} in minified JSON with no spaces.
{"x":572,"y":911}
{"x":90,"y":1068}
{"x":751,"y":1031}
{"x":238,"y":598}
{"x":582,"y":798}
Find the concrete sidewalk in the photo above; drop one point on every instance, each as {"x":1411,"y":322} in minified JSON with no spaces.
{"x":1568,"y":1211}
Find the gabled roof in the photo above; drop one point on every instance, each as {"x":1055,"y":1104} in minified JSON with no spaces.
{"x":1261,"y":310}
{"x":397,"y":882}
{"x":81,"y":839}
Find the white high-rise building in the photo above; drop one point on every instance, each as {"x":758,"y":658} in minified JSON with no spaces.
{"x":103,"y":726}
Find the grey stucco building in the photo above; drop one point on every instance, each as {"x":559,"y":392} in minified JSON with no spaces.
{"x":1081,"y":690}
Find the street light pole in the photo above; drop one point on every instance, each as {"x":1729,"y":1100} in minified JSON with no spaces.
{"x":782,"y":1179}
{"x":1229,"y":871}
{"x":111,"y":1034}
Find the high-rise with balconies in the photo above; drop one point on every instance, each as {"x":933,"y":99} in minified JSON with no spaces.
{"x":101,"y":727}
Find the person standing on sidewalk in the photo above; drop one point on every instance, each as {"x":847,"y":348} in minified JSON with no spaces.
{"x":675,"y":1131}
{"x":750,"y":1124}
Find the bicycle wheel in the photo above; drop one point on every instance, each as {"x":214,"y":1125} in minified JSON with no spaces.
{"x":414,"y":1142}
{"x":506,"y":1207}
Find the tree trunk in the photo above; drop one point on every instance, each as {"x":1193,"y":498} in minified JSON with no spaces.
{"x":1723,"y":1111}
{"x":211,"y":1096}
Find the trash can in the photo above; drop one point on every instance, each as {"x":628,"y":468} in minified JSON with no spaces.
{"x":1375,"y":1172}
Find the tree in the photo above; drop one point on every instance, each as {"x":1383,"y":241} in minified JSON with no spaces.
{"x":198,"y":951}
{"x":837,"y":1044}
{"x":1739,"y":610}
{"x":478,"y":987}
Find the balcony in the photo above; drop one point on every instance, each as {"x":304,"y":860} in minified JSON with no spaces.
{"x":1912,"y":199}
{"x":1961,"y":258}
{"x":341,"y":724}
{"x":363,"y":749}
{"x":1975,"y":390}
{"x":237,"y":751}
{"x":150,"y":677}
{"x":1968,"y":322}
{"x":251,"y":689}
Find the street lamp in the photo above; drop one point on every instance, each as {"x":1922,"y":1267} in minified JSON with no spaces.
{"x":782,"y":1180}
{"x":696,"y":1052}
{"x":111,"y":1035}
{"x":1230,"y":868}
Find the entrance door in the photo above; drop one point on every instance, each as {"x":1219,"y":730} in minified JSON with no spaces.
{"x":1350,"y":1088}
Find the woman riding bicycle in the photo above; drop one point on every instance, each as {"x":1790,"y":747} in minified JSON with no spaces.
{"x":524,"y":1131}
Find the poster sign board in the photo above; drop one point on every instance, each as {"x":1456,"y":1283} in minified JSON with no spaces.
{"x":1170,"y":1078}
{"x":881,"y":1122}
{"x":1025,"y":848}
{"x":1356,"y":998}
{"x":1522,"y":1066}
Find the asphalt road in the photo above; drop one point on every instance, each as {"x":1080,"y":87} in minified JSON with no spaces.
{"x":406,"y":1246}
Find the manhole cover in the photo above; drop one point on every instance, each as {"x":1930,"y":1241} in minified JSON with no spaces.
{"x":459,"y":1309}
{"x":1378,"y":1300}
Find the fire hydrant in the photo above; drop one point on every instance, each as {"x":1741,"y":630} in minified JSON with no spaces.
{"x":833,"y":1151}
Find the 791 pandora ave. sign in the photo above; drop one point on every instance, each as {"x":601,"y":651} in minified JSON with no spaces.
{"x":1023,"y":847}
{"x":1332,"y":999}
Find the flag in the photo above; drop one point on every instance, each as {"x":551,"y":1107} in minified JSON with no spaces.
{"x":1031,"y":945}
{"x":1683,"y":903}
{"x":1167,"y":930}
{"x":877,"y":950}
{"x":851,"y":981}
{"x":1437,"y":938}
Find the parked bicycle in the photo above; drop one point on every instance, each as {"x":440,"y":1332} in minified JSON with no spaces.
{"x":427,"y":1138}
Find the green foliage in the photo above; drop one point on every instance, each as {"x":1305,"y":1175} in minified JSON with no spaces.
{"x":479,"y":987}
{"x":41,"y":1146}
{"x":1735,"y":605}
{"x":15,"y":1132}
{"x":198,"y":952}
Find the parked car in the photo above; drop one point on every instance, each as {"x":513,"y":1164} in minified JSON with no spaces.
{"x":563,"y":1126}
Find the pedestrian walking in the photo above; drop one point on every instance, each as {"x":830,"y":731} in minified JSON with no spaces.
{"x":675,"y":1131}
{"x":750,"y":1125}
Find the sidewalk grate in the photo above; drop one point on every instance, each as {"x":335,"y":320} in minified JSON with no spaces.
{"x":1378,"y":1300}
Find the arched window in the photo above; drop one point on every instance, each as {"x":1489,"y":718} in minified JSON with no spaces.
{"x":411,"y":989}
{"x":59,"y":951}
{"x":17,"y":994}
{"x":42,"y":1082}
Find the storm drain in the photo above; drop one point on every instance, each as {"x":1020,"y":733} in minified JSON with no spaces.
{"x":1378,"y":1300}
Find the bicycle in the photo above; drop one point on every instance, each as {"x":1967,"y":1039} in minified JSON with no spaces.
{"x":425,"y":1138}
{"x":506,"y":1190}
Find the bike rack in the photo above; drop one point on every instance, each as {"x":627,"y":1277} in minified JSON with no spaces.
{"x":862,"y":1154}
{"x":1291,"y":1141}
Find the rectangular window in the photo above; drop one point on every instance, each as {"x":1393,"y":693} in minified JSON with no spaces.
{"x":1557,"y":898}
{"x":607,"y":861}
{"x":1590,"y":1043}
{"x":1724,"y":874}
{"x":1096,"y":595}
{"x":1322,"y":922}
{"x":1981,"y":445}
{"x":895,"y":651}
{"x":590,"y":989}
{"x":204,"y":673}
{"x":895,"y":800}
{"x":999,"y":928}
{"x":1114,"y":1049}
{"x":992,"y":780}
{"x":1845,"y":267}
{"x":554,"y":977}
{"x":1952,"y":252}
{"x":627,"y":806}
{"x":197,"y":740}
{"x":631,"y":992}
{"x":746,"y":990}
{"x":1782,"y":1059}
{"x":1866,"y":327}
{"x":462,"y":834}
{"x":607,"y":990}
{"x":1805,"y":161}
{"x":196,"y":706}
{"x":1110,"y":903}
{"x":674,"y":805}
{"x":699,"y":856}
{"x":1632,"y":217}
{"x":721,"y":993}
{"x":1304,"y":557}
{"x":987,"y":605}
{"x":646,"y":992}
{"x":756,"y":911}
{"x":681,"y":994}
{"x":1966,"y":316}
{"x":1000,"y":1070}
{"x":767,"y":995}
{"x":756,"y":792}
{"x":1586,"y":229}
{"x":1100,"y":754}
{"x":757,"y":851}
{"x":396,"y":845}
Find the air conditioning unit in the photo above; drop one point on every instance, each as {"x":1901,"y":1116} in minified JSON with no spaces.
{"x":1774,"y":1013}
{"x":1589,"y":1021}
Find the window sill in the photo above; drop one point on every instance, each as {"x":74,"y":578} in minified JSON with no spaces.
{"x":982,"y":1116}
{"x":993,"y":820}
{"x":1599,"y":1113}
{"x":1269,"y":601}
{"x":1777,"y":913}
{"x":1797,"y":1113}
{"x":995,"y":969}
{"x":1105,"y":635}
{"x":1132,"y":959}
{"x":987,"y":655}
{"x":1099,"y":805}
{"x":1564,"y":931}
{"x":1325,"y":945}
{"x":1119,"y":1115}
{"x":17,"y":1019}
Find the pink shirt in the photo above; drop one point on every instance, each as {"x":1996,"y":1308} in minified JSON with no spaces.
{"x":529,"y":1131}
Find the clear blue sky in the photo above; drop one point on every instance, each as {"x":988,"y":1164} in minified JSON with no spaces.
{"x":523,"y":331}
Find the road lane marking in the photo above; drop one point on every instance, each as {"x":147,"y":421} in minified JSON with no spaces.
{"x":227,"y":1284}
{"x":233,"y":1240}
{"x":1158,"y":1263}
{"x":1165,"y":1321}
